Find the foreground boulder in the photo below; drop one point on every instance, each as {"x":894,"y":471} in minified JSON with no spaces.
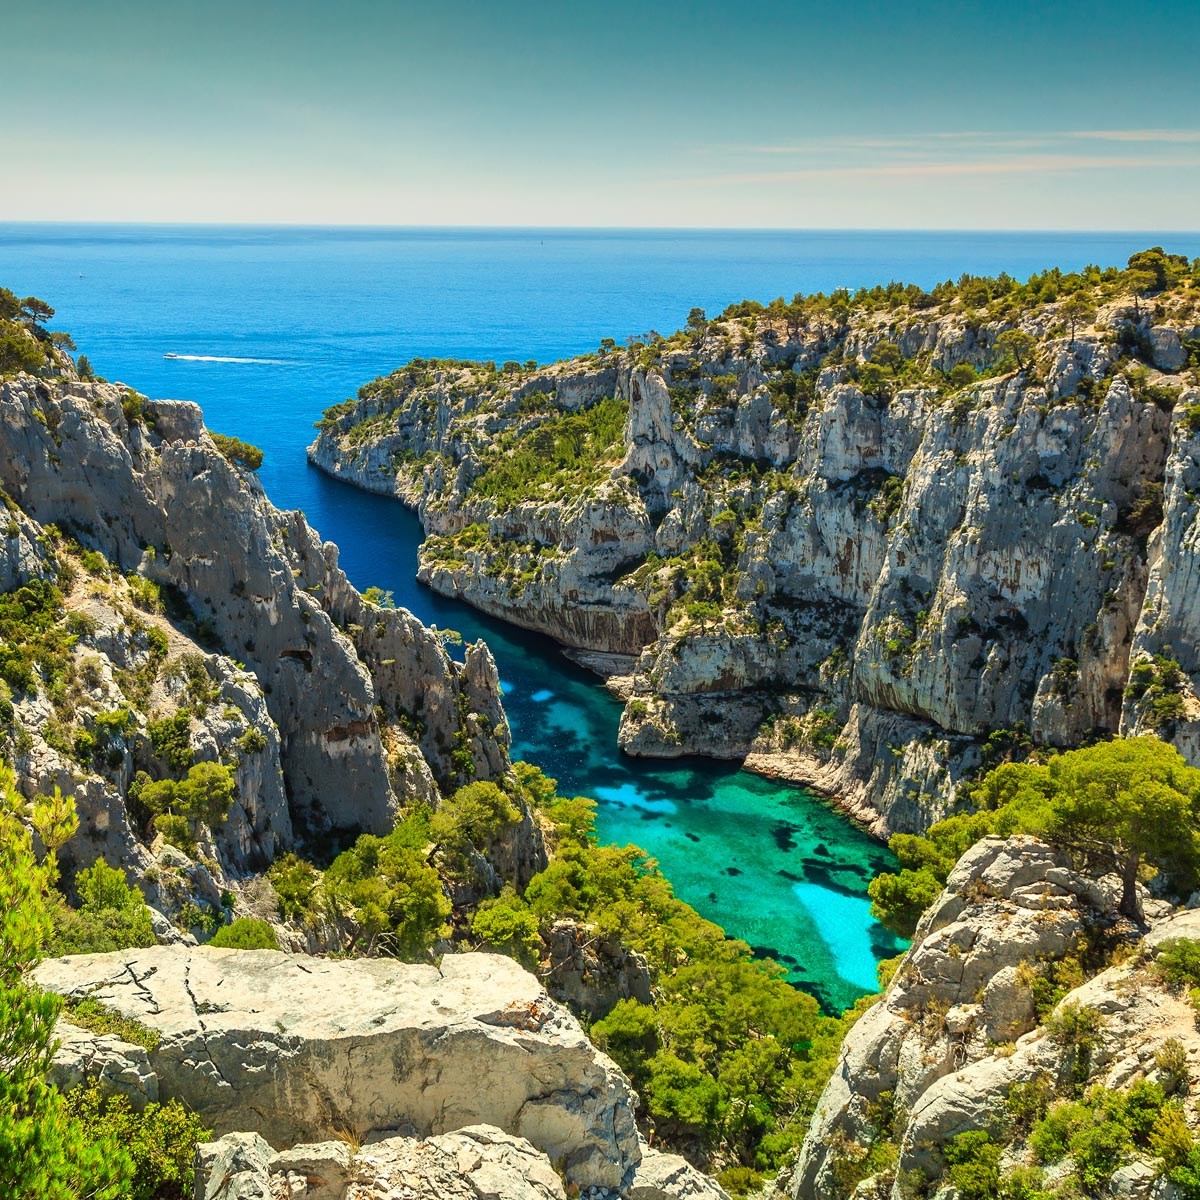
{"x":939,"y":1054}
{"x":116,"y":1067}
{"x":301,"y":1049}
{"x":478,"y":1162}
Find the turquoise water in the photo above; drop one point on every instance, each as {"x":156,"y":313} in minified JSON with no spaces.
{"x":280,"y":323}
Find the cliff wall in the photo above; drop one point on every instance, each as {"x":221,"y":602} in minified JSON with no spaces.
{"x":850,"y":548}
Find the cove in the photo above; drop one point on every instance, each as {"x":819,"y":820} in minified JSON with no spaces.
{"x":273,"y":325}
{"x":773,"y":865}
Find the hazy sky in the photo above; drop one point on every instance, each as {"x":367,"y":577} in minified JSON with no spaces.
{"x":859,"y":114}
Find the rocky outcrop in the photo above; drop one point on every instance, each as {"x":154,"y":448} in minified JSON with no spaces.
{"x":590,"y":970}
{"x":668,"y":1177}
{"x":235,"y":1167}
{"x":114,"y":1066}
{"x":300,"y":1049}
{"x":185,"y":594}
{"x":959,"y":1026}
{"x":478,"y":1162}
{"x":850,"y":579}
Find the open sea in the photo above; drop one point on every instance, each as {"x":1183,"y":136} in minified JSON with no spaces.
{"x":272,"y":325}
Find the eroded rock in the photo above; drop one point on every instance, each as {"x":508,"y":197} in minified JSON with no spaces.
{"x":300,"y":1049}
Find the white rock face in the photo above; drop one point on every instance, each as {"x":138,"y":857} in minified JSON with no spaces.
{"x":910,"y":570}
{"x":114,"y":1066}
{"x":310,"y":697}
{"x":300,"y":1048}
{"x":477,"y":1162}
{"x":958,"y":1028}
{"x":154,"y":495}
{"x":235,"y":1167}
{"x":668,"y":1177}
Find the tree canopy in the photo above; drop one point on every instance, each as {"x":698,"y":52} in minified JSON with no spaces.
{"x":1123,"y":805}
{"x":43,"y":1153}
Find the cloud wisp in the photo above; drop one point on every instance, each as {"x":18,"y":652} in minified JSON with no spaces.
{"x":950,"y":154}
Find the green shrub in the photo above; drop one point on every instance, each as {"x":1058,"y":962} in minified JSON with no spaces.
{"x":1051,"y":1137}
{"x":44,"y":1152}
{"x":177,"y":831}
{"x":240,"y":453}
{"x":205,"y":795}
{"x":253,"y":741}
{"x":171,"y":739}
{"x":391,"y":893}
{"x":570,"y":451}
{"x":1177,"y":963}
{"x":100,"y":1019}
{"x":974,"y":1162}
{"x":111,"y":916}
{"x":1098,"y":1150}
{"x":506,"y":924}
{"x":473,"y":817}
{"x":133,"y":408}
{"x":160,"y":1140}
{"x":295,"y":882}
{"x":18,"y":352}
{"x":246,"y":933}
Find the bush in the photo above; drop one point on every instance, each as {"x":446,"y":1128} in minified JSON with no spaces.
{"x":391,"y":893}
{"x":160,"y":1140}
{"x":974,"y":1162}
{"x":205,"y":795}
{"x":240,"y":453}
{"x":1177,"y":963}
{"x":44,"y":1152}
{"x":295,"y":882}
{"x":253,"y":741}
{"x":112,"y":915}
{"x":177,"y":831}
{"x":472,"y":818}
{"x":246,"y":933}
{"x":681,"y":1095}
{"x":172,"y":741}
{"x":133,"y":407}
{"x":102,"y":1020}
{"x":506,"y":924}
{"x":18,"y":352}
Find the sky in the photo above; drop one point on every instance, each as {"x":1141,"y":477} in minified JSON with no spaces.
{"x":1004,"y":114}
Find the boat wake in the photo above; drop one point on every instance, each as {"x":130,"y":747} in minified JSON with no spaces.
{"x":275,"y":362}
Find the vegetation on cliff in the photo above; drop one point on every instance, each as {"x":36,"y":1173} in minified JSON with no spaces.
{"x":1131,"y":806}
{"x":854,"y":533}
{"x":728,"y":1059}
{"x":56,"y":1147}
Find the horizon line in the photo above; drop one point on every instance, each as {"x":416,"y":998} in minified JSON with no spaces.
{"x":373,"y":227}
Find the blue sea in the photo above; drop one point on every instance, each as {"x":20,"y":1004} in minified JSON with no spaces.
{"x":272,"y":325}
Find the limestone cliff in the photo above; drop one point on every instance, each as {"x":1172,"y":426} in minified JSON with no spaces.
{"x":468,"y":1072}
{"x":994,"y":1006}
{"x":153,"y":581}
{"x":847,"y":543}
